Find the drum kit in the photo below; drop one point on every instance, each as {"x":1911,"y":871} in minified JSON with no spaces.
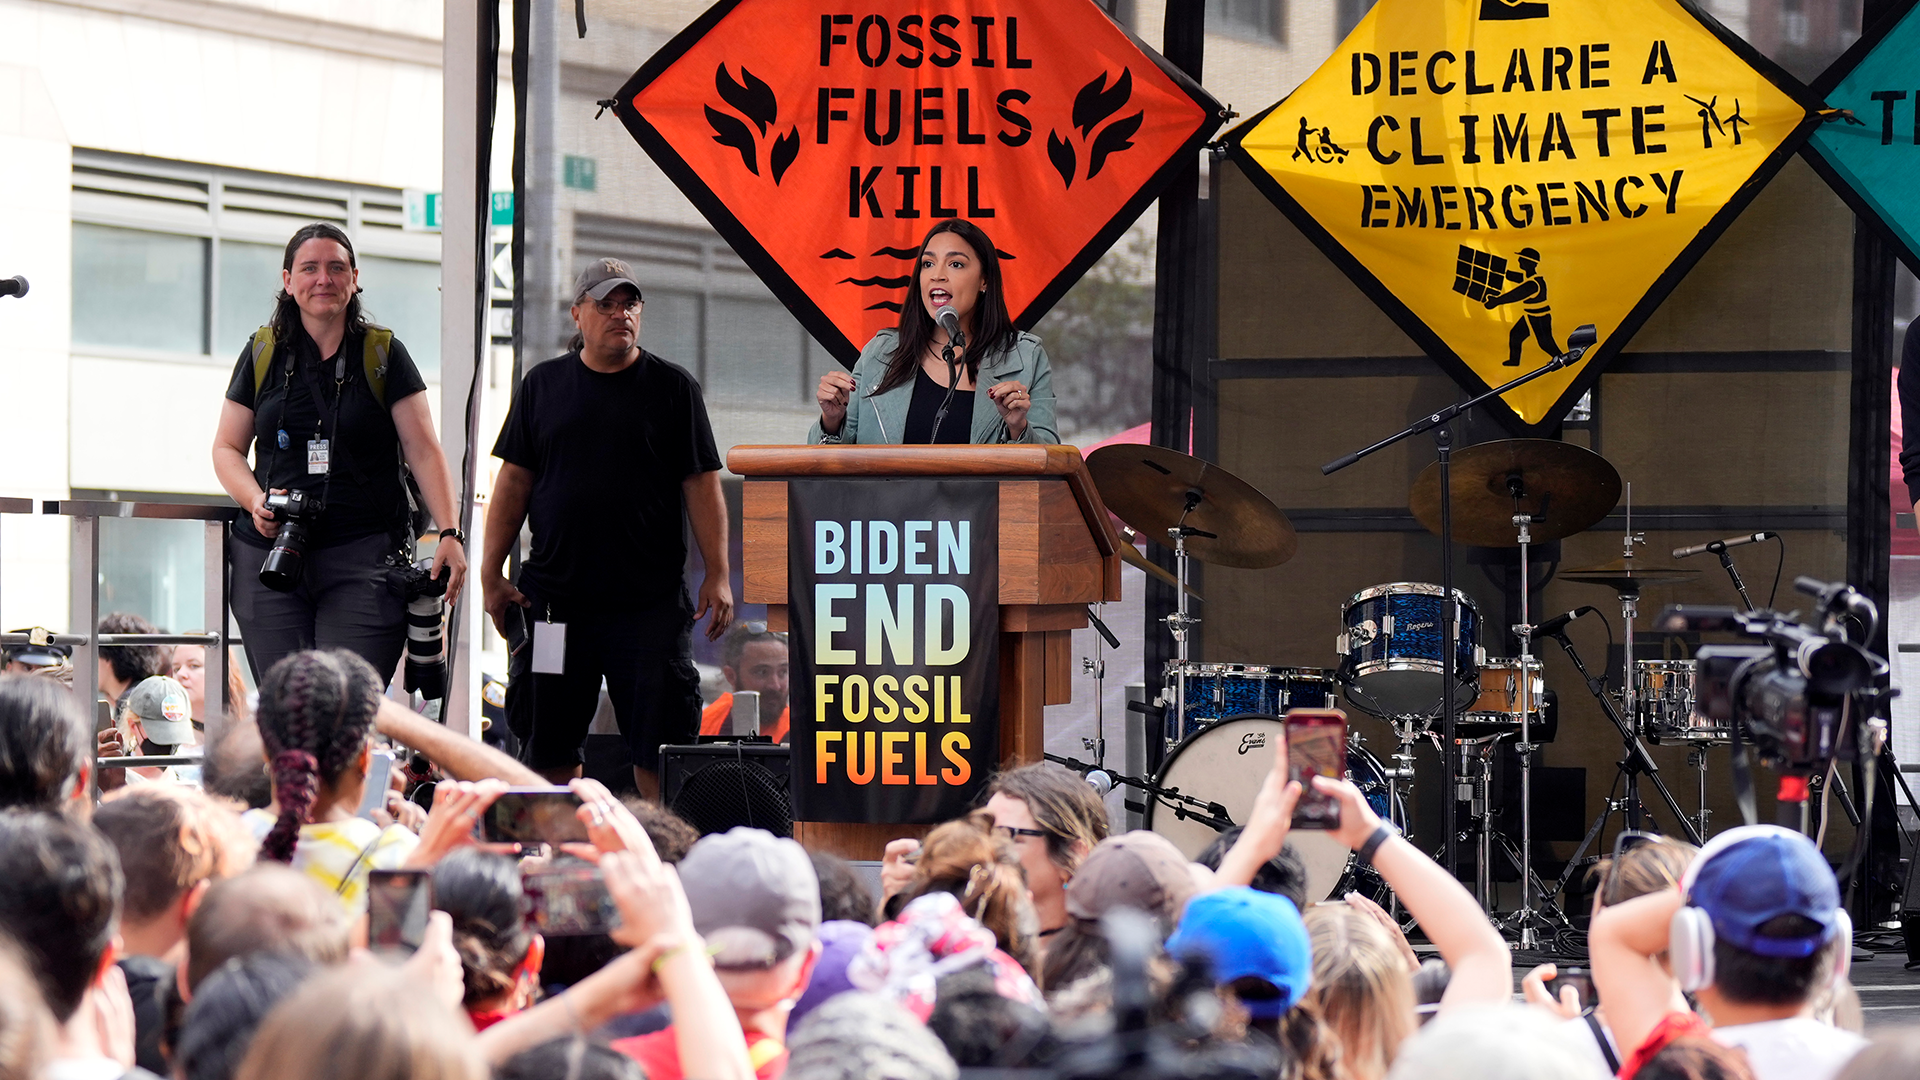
{"x":1393,"y":660}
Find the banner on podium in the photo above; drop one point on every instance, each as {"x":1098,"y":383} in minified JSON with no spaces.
{"x":894,"y":608}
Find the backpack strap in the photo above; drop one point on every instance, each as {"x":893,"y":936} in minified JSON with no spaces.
{"x":262,"y":359}
{"x":379,"y":344}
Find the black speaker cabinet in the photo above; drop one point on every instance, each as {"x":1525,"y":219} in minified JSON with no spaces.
{"x":717,"y":786}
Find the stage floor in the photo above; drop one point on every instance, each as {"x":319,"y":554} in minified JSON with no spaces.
{"x":1889,"y":994}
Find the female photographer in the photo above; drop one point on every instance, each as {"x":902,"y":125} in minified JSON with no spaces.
{"x":331,"y":406}
{"x":999,"y":387}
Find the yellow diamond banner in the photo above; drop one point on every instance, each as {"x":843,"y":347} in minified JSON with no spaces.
{"x":1495,"y":173}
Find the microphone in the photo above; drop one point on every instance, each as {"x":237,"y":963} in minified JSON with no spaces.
{"x":1559,"y":622}
{"x":1100,"y":780}
{"x":13,"y":286}
{"x":949,"y":321}
{"x":1717,"y":546}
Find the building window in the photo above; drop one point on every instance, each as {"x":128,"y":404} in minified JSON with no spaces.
{"x":1347,"y":15}
{"x":138,"y":289}
{"x":184,"y":261}
{"x":1258,"y":20}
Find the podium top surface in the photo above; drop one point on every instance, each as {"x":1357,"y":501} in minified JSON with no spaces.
{"x":1011,"y":459}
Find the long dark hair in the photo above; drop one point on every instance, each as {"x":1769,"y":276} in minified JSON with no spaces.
{"x":316,"y":711}
{"x":993,"y":329}
{"x":286,"y":313}
{"x":482,"y":892}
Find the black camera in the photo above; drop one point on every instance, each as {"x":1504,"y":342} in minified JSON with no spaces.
{"x":296,"y":511}
{"x":425,"y":596}
{"x":1804,"y":694}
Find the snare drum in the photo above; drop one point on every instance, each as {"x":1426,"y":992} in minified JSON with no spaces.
{"x":1663,"y":705}
{"x":1226,"y":762}
{"x":1498,"y":708}
{"x":1392,"y":659}
{"x":1217,"y":691}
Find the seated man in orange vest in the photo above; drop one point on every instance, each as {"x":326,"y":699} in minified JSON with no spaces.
{"x":753,"y":658}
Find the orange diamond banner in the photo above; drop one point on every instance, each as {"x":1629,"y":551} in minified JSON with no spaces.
{"x":823,"y":139}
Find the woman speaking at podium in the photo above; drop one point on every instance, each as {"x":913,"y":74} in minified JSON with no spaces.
{"x":993,"y":386}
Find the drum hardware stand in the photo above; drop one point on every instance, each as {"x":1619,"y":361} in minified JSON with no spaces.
{"x":1636,"y":763}
{"x":1096,"y":666}
{"x":1523,"y":523}
{"x":1697,"y":761}
{"x":1184,"y":807}
{"x":1439,"y":423}
{"x":1181,"y":621}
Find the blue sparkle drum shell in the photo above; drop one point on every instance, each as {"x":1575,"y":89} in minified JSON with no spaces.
{"x":1216,"y":691}
{"x":1392,"y":658}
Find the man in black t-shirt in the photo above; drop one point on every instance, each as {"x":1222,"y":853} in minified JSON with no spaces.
{"x":609,"y":452}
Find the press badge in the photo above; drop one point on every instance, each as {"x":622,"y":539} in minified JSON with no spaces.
{"x":317,"y":457}
{"x":549,"y":648}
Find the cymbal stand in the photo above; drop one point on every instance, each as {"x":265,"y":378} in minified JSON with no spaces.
{"x":1629,"y":607}
{"x":1181,"y":621}
{"x":1523,"y":522}
{"x":1439,"y":423}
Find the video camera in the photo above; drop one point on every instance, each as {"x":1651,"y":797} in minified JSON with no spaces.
{"x":1804,"y":694}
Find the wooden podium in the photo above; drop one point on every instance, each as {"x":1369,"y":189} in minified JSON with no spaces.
{"x":1057,"y":552}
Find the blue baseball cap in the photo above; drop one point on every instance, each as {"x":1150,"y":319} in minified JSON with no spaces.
{"x":1246,"y":933}
{"x":1749,"y":876}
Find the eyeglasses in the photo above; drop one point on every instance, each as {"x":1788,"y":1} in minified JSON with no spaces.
{"x":1014,"y":833}
{"x":610,"y":306}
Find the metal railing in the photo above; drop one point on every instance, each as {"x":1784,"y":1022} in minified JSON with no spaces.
{"x":83,"y":597}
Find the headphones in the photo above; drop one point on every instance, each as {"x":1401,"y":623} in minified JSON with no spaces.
{"x":1690,"y":936}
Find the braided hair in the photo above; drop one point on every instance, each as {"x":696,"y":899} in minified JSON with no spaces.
{"x":316,"y":711}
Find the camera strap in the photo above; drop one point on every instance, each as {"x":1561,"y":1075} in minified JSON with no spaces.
{"x":331,"y":416}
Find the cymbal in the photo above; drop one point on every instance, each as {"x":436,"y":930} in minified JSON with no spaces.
{"x":1626,"y":576}
{"x":1132,"y":557}
{"x":1569,"y":487}
{"x":1148,"y":487}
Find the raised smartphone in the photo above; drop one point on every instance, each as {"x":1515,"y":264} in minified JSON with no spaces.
{"x":535,"y":815}
{"x":1580,"y":979}
{"x":398,"y":902}
{"x":379,"y":779}
{"x":1316,"y":746}
{"x":569,"y":899}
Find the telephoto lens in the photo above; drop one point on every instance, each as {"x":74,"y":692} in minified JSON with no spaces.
{"x":426,"y":605}
{"x":293,"y":510}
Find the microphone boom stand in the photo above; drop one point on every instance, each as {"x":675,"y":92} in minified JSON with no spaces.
{"x":1439,"y":423}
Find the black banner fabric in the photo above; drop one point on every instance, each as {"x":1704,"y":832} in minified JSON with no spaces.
{"x":893,"y":588}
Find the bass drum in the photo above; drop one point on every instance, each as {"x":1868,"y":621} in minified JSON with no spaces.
{"x":1227,"y":761}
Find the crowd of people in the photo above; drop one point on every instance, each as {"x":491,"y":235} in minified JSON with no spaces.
{"x":221,"y":930}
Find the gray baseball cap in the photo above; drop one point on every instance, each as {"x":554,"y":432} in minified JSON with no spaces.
{"x":601,"y":277}
{"x":755,"y":897}
{"x":164,"y":710}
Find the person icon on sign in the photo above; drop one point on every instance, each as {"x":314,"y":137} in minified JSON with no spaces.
{"x":1530,"y":291}
{"x":1303,"y":148}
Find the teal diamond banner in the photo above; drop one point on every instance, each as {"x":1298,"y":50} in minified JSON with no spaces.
{"x":1873,"y":159}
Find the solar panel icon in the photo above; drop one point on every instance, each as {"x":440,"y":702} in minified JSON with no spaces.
{"x":1479,"y":274}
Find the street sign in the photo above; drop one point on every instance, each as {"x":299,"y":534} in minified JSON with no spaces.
{"x":1494,"y":173}
{"x":580,"y":173}
{"x":422,"y":209}
{"x":1870,"y":152}
{"x":823,"y":141}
